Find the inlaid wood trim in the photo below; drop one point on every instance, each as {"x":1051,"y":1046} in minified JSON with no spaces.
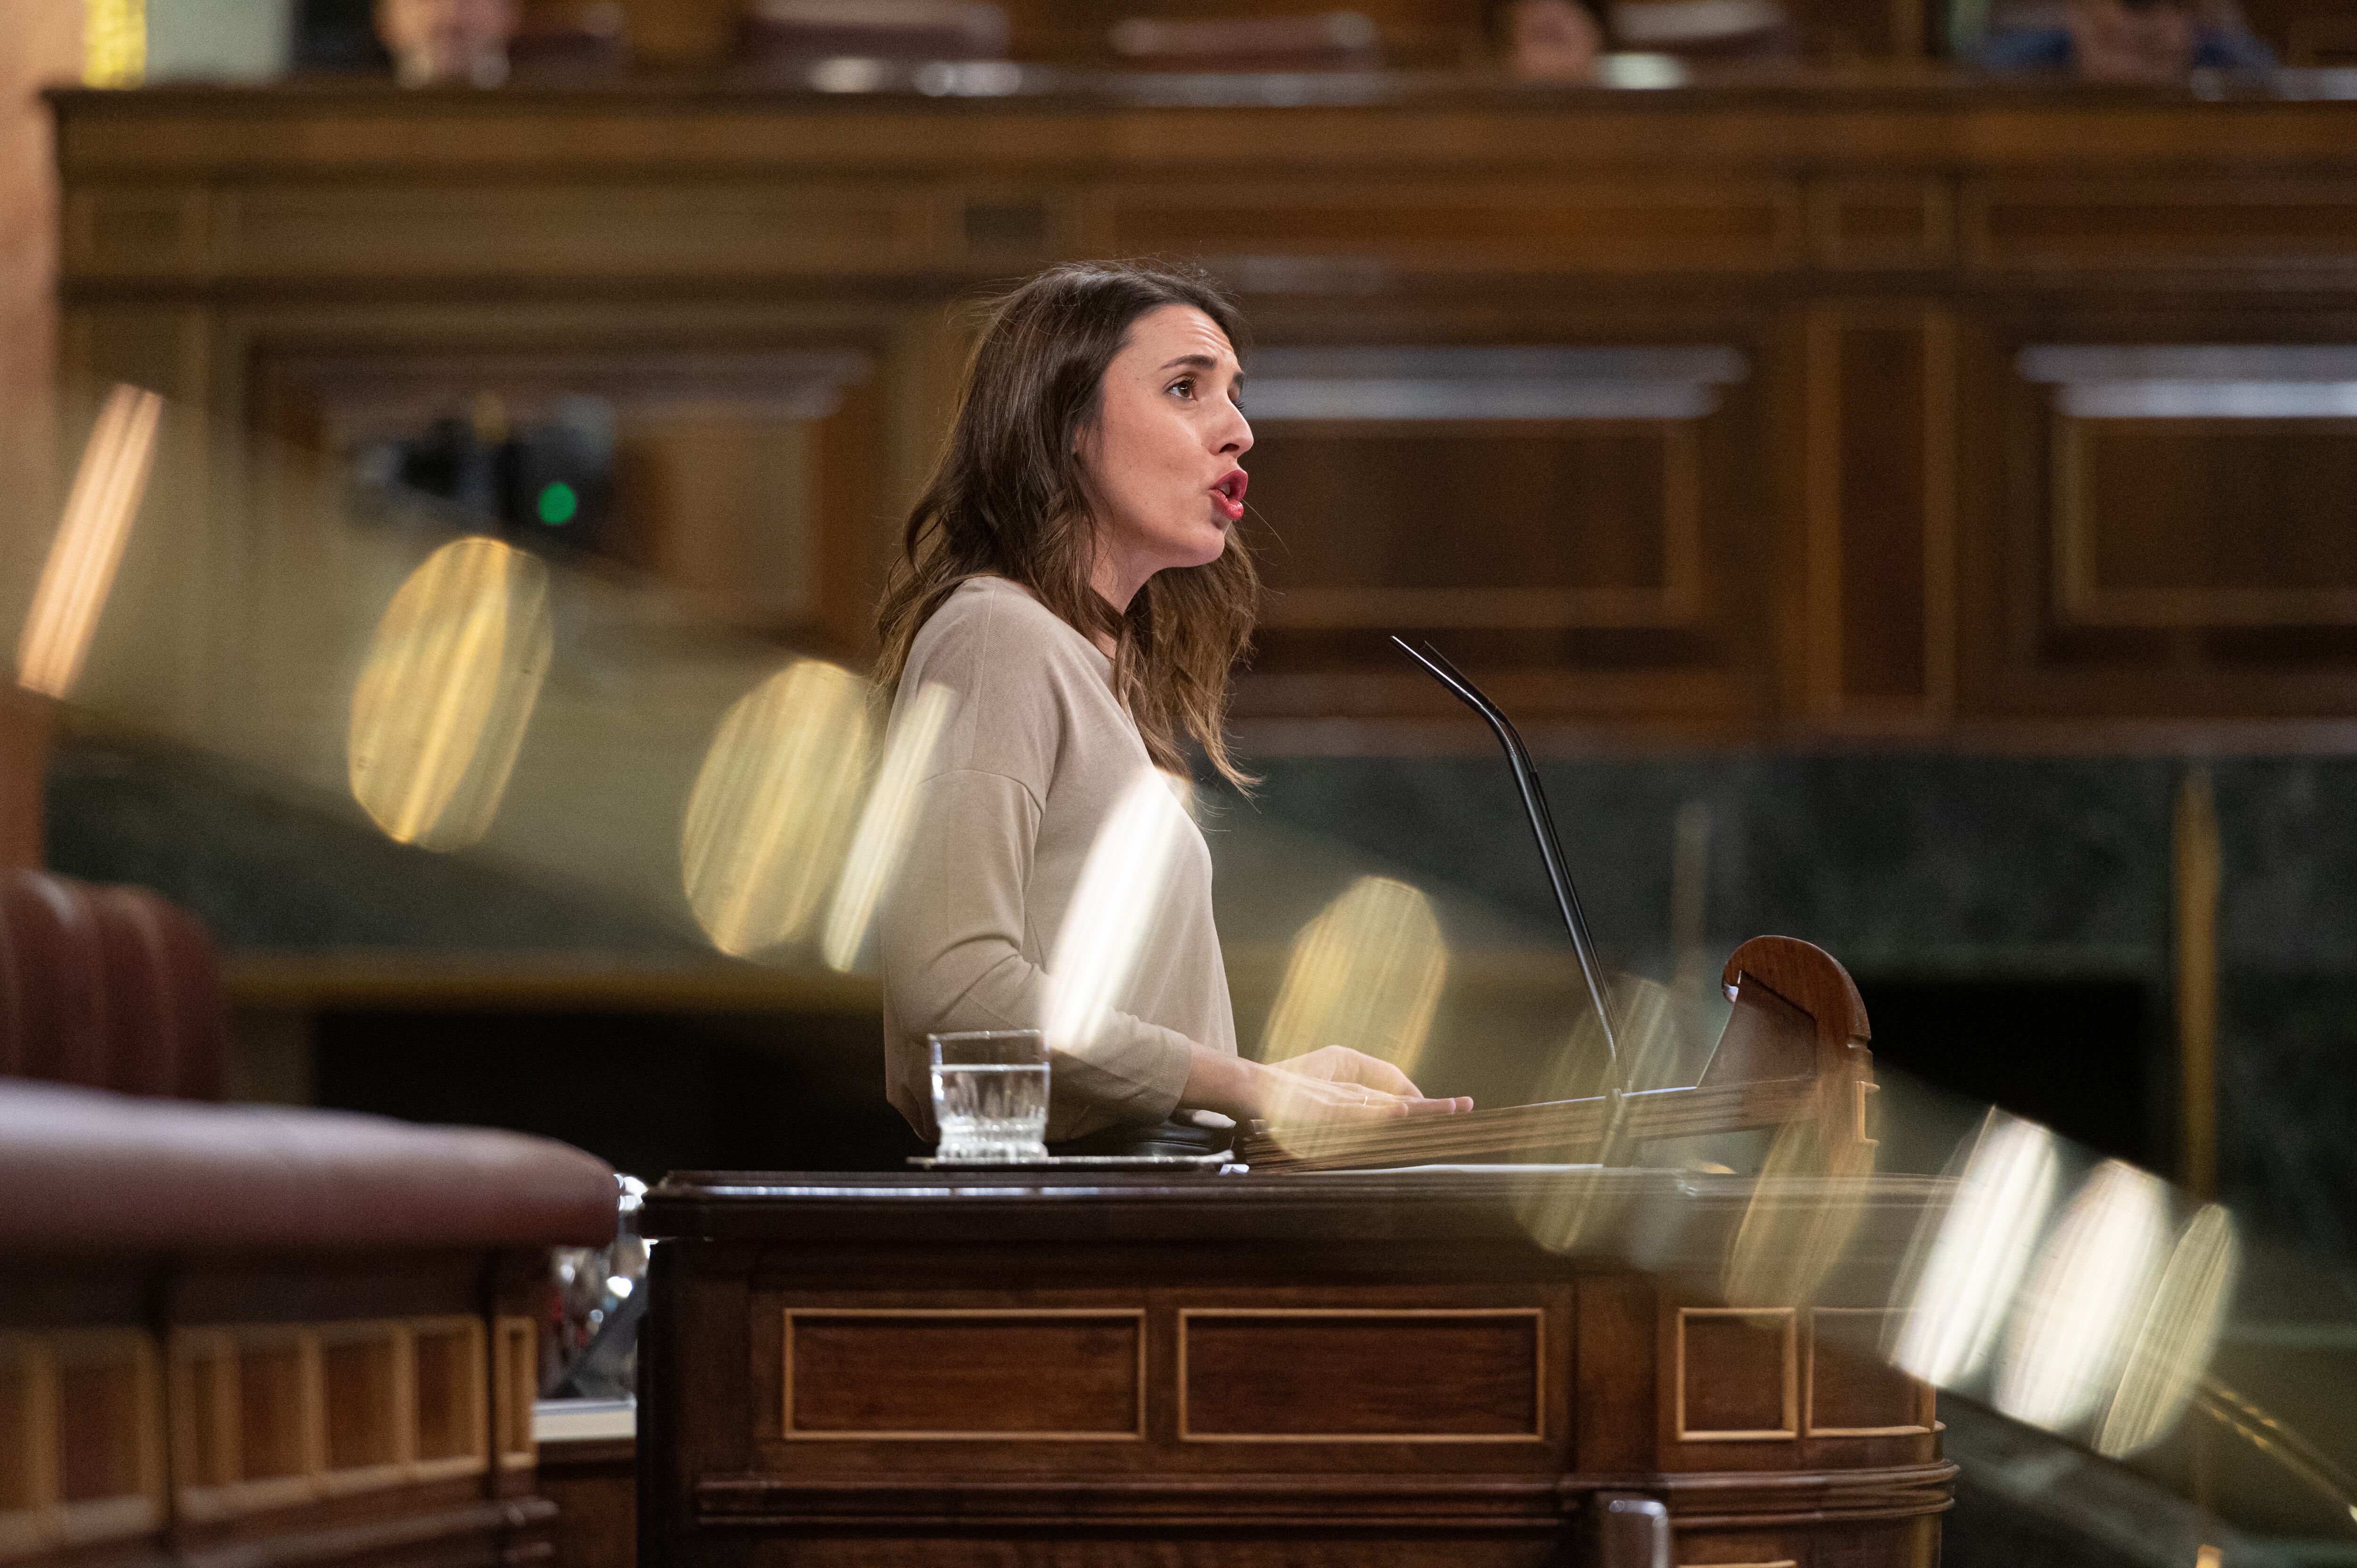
{"x":37,"y":1367}
{"x":1774,"y":1562}
{"x":515,"y":1384}
{"x":210,"y":1382}
{"x":1537,"y":1314}
{"x":1133,"y":1315}
{"x":1790,"y":1348}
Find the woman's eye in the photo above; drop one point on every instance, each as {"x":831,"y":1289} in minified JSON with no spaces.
{"x":1183,"y":386}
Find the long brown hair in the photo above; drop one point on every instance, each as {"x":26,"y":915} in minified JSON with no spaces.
{"x":1007,"y":499}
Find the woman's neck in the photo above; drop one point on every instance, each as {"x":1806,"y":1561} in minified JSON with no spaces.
{"x":1116,"y":586}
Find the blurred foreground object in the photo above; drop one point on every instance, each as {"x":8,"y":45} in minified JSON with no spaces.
{"x":1330,"y":40}
{"x":1794,"y":1050}
{"x":442,"y":706}
{"x":436,"y":41}
{"x":114,"y":43}
{"x":89,"y":543}
{"x":311,"y":1333}
{"x":770,"y":823}
{"x":1366,"y":973}
{"x":600,"y":1299}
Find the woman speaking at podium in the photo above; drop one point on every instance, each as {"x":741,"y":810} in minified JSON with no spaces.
{"x":1071,"y":577}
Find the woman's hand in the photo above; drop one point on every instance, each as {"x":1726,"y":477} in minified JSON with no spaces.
{"x":1331,"y":1084}
{"x":1335,"y":1083}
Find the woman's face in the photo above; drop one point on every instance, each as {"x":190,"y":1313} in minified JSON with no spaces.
{"x":1161,"y":460}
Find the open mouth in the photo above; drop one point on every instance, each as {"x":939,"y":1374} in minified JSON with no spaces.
{"x":1229,"y":493}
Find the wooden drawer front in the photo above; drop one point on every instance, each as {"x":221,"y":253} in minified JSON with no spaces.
{"x":1288,"y":1375}
{"x":957,"y":1373}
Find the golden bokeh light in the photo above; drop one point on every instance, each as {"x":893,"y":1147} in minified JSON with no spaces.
{"x":80,"y":571}
{"x":883,"y":832}
{"x":2181,"y":1330}
{"x":770,"y":820}
{"x":447,"y":693}
{"x":1803,"y":1208}
{"x":1366,"y":972}
{"x":2089,"y":1284}
{"x":1650,"y":1026}
{"x":1966,"y":1264}
{"x":1113,"y":911}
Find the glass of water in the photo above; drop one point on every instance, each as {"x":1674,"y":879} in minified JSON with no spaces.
{"x":990,"y":1095}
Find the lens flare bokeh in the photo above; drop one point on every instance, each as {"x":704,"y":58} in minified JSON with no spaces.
{"x":447,"y":693}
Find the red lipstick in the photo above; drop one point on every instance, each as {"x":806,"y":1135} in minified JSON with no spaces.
{"x":1229,"y":493}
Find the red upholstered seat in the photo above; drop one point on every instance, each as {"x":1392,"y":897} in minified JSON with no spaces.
{"x":113,"y":996}
{"x":109,"y":987}
{"x":87,"y":1170}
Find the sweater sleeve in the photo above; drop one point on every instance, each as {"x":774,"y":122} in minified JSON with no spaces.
{"x":953,"y":942}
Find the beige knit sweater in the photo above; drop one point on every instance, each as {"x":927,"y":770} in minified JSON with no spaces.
{"x":1032,"y":762}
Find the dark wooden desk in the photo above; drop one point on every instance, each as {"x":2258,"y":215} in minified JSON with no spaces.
{"x":1259,"y":1370}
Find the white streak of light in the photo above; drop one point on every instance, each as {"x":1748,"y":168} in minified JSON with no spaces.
{"x":2180,"y":1333}
{"x":883,"y":832}
{"x":107,"y":489}
{"x":1983,"y":1246}
{"x":1111,"y":911}
{"x":2089,"y":1287}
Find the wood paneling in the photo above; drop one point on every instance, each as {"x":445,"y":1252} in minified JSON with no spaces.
{"x":2205,"y":522}
{"x":1360,"y":1368}
{"x":1530,"y":525}
{"x":1881,"y":527}
{"x":1303,"y":1375}
{"x":1881,"y":479}
{"x":83,"y":1411}
{"x":1737,"y":1375}
{"x":956,"y":1373}
{"x":2147,"y":224}
{"x":2158,"y":542}
{"x":1579,"y":224}
{"x":1848,"y":1390}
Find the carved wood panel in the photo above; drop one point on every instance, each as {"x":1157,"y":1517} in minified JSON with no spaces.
{"x":1569,"y":521}
{"x":2166,"y":527}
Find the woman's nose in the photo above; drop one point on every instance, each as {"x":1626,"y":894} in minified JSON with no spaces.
{"x":1235,"y":438}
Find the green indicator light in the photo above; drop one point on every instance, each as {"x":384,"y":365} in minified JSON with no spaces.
{"x":557,"y":504}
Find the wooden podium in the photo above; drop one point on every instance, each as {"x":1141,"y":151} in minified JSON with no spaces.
{"x":1305,"y":1369}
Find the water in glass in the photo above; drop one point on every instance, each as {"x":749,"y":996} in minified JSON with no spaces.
{"x":990,"y":1096}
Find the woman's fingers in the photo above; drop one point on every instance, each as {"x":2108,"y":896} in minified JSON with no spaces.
{"x":1376,"y":1073}
{"x":1341,"y":1064}
{"x":1298,"y":1099}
